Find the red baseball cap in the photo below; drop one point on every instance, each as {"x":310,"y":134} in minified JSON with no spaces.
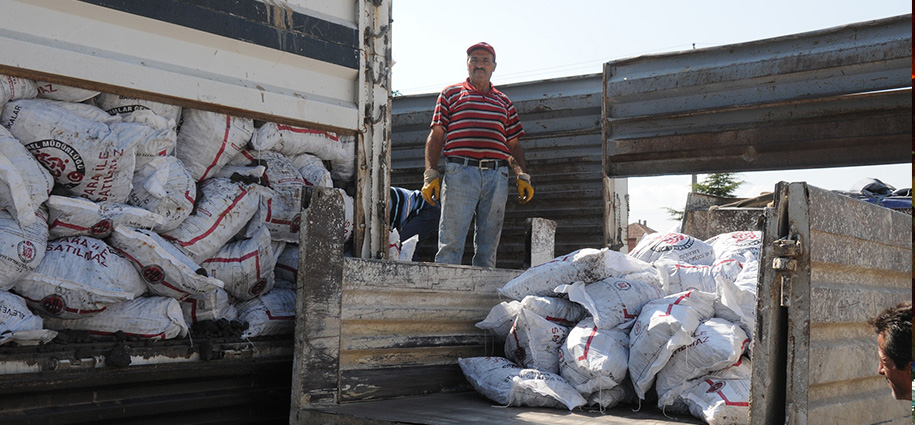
{"x":482,"y":45}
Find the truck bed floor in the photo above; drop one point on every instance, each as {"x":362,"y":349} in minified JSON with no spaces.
{"x":471,"y":408}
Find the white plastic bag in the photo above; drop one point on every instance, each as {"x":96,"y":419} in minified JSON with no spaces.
{"x":245,"y":266}
{"x":15,"y":315}
{"x":584,"y":265}
{"x":86,"y":158}
{"x":734,"y":244}
{"x":287,"y":264}
{"x":163,"y":186}
{"x":663,"y":326}
{"x":12,"y":88}
{"x":290,"y":140}
{"x":79,"y":277}
{"x":281,"y":206}
{"x":716,"y":345}
{"x":208,"y":140}
{"x":164,"y":268}
{"x":344,"y":169}
{"x":534,"y":342}
{"x":223,"y":209}
{"x":212,"y":305}
{"x":673,"y":246}
{"x":24,"y":182}
{"x":613,"y":302}
{"x":130,"y":107}
{"x":736,"y":300}
{"x":270,"y":314}
{"x":145,"y":317}
{"x":81,"y":217}
{"x":678,"y":277}
{"x":720,"y":401}
{"x":21,"y":248}
{"x":554,"y":309}
{"x":594,"y":359}
{"x":507,"y":384}
{"x":500,"y":319}
{"x":313,"y":170}
{"x":54,"y":91}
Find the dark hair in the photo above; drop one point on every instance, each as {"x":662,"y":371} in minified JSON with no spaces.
{"x":895,"y":323}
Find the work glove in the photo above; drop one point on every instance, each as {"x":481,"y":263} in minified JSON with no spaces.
{"x":431,"y":186}
{"x":525,"y":190}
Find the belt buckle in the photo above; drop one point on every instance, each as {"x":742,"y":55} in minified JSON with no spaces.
{"x":488,"y":161}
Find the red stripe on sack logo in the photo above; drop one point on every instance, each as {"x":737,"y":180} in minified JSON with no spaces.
{"x":588,"y":344}
{"x":222,"y":149}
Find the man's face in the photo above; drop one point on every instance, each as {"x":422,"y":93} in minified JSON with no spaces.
{"x":480,"y":65}
{"x":897,"y":378}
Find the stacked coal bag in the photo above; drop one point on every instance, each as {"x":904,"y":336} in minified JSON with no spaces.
{"x":668,"y":324}
{"x":125,"y":216}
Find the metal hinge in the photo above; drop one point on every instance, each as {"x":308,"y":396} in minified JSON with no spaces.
{"x":785,"y":264}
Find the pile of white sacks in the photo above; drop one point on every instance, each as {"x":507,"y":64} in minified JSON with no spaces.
{"x":671,"y":323}
{"x":126,"y":215}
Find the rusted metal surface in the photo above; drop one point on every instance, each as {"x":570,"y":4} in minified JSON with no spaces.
{"x":563,"y":151}
{"x":801,"y":101}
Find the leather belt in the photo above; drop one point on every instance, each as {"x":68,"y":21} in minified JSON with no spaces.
{"x":480,"y":163}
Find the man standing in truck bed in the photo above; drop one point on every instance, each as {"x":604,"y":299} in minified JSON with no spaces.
{"x":477,"y":130}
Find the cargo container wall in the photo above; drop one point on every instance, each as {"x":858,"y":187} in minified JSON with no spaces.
{"x":322,"y":65}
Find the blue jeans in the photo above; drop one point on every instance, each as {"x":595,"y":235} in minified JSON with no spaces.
{"x":470,"y":192}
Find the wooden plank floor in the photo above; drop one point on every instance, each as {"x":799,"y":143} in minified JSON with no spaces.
{"x":471,"y":408}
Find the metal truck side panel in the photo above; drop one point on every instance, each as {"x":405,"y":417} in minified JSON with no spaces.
{"x":854,"y":259}
{"x":747,"y":106}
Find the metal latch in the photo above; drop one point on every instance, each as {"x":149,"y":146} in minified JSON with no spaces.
{"x":785,"y":265}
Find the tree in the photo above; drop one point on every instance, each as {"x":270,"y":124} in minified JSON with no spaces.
{"x":716,"y":184}
{"x":719,"y":184}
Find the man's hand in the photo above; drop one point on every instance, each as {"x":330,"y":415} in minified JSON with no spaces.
{"x":431,"y":186}
{"x":525,"y":190}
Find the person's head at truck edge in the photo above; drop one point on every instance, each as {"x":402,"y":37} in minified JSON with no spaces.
{"x":481,"y":62}
{"x":893,"y":327}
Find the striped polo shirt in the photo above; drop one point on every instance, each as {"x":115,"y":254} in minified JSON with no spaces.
{"x":476,"y":124}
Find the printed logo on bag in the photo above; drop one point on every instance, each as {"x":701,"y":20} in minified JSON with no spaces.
{"x":153,"y":274}
{"x":126,"y":109}
{"x":714,"y":387}
{"x":673,"y":241}
{"x":101,"y":228}
{"x":296,"y":224}
{"x":258,"y":287}
{"x":623,"y":285}
{"x":26,"y":250}
{"x":638,"y":328}
{"x":745,"y":238}
{"x":64,"y":162}
{"x":53,"y":304}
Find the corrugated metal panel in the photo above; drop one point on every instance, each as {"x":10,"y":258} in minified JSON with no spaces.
{"x":401,"y":321}
{"x":782,"y":103}
{"x":563,"y":152}
{"x":248,"y":57}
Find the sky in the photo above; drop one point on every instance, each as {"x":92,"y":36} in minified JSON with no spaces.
{"x":539,"y":39}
